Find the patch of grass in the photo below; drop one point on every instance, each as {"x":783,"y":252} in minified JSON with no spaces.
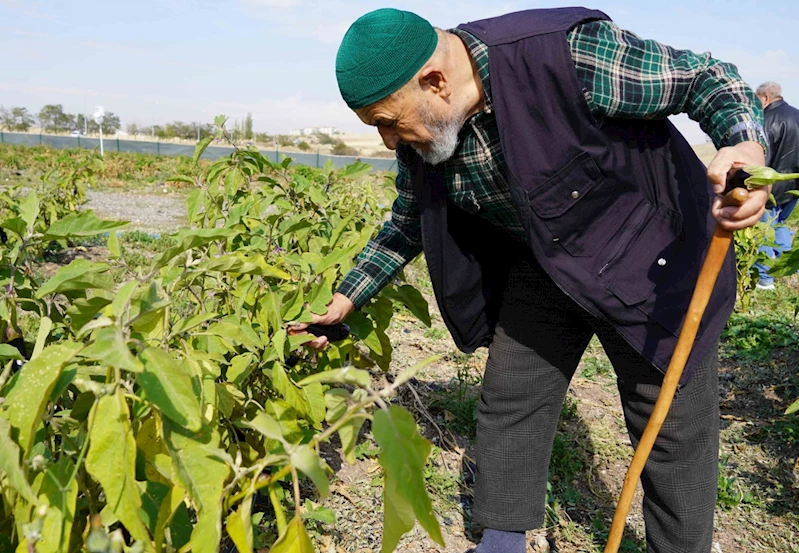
{"x":443,"y":485}
{"x":458,"y":403}
{"x":596,"y":367}
{"x":731,"y":492}
{"x":436,"y":332}
{"x":749,"y":337}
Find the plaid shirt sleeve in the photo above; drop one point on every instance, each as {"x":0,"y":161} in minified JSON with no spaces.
{"x":396,"y":245}
{"x":625,"y":76}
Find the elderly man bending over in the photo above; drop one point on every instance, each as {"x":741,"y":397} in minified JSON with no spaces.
{"x":553,"y":202}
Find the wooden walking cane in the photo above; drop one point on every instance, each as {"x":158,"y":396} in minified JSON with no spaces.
{"x":714,"y":258}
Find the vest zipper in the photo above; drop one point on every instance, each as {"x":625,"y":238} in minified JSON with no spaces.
{"x":622,"y":245}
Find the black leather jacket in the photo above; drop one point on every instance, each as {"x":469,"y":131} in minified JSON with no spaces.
{"x":782,"y":131}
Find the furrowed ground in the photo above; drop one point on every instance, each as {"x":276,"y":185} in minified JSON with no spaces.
{"x":759,"y":462}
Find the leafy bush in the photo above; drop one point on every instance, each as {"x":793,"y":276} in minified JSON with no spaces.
{"x":136,"y":425}
{"x":341,"y":149}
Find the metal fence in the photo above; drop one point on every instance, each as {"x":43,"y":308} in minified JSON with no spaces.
{"x":168,"y":149}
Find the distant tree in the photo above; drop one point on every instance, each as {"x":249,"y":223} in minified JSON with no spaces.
{"x":133,"y":129}
{"x":341,"y":149}
{"x":263,"y":138}
{"x":111,"y":124}
{"x":6,"y":120}
{"x":52,"y":118}
{"x":284,"y":140}
{"x":21,"y":120}
{"x":247,"y":130}
{"x":304,"y":146}
{"x":80,"y":122}
{"x":325,"y":139}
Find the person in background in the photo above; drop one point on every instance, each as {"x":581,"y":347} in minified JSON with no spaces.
{"x":554,"y":201}
{"x":782,"y":132}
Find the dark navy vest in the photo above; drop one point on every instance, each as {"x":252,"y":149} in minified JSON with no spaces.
{"x":617,"y":212}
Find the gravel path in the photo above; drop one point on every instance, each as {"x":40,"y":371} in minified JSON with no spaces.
{"x":155,"y":213}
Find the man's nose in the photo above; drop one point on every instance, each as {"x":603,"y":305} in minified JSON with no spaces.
{"x":389,"y":136}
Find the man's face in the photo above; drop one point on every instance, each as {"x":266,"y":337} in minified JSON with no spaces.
{"x":429,"y":126}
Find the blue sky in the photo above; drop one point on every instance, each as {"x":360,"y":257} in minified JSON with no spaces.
{"x":157,"y":61}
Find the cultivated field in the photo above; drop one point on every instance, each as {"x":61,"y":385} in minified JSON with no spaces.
{"x":759,"y":479}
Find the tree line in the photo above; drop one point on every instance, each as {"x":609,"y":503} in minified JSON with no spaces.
{"x":53,"y":118}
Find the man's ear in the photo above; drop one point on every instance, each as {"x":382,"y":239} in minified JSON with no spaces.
{"x":435,"y":80}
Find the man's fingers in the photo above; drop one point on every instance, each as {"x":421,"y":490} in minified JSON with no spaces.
{"x":320,"y":343}
{"x":747,"y":215}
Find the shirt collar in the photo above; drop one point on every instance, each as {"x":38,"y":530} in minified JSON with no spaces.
{"x":479,"y":53}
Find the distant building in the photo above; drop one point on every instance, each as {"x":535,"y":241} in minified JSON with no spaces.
{"x":307,"y":131}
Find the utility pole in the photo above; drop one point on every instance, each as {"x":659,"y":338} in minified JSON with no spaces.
{"x":98,"y":117}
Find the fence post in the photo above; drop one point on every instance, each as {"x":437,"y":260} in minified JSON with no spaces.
{"x":277,"y":152}
{"x":317,"y":158}
{"x":117,"y":144}
{"x":40,"y":138}
{"x":2,"y":137}
{"x":78,"y":141}
{"x":158,"y":145}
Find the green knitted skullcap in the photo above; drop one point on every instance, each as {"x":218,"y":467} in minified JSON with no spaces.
{"x":381,"y":51}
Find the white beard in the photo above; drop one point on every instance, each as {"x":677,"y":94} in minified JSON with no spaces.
{"x":445,"y":135}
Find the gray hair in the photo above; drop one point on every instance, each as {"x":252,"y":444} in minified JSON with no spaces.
{"x":770,"y":89}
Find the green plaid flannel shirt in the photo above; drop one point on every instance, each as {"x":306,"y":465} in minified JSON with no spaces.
{"x":623,"y":76}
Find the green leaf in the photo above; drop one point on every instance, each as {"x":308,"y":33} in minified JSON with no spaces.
{"x":411,"y":372}
{"x":295,"y":540}
{"x":83,"y":310}
{"x":168,"y":385}
{"x":292,"y":307}
{"x":336,"y":404}
{"x":240,"y":368}
{"x":111,"y":461}
{"x":348,"y":375}
{"x":244,"y":265}
{"x":239,"y":526}
{"x":305,"y":459}
{"x":322,"y":294}
{"x":200,"y":148}
{"x":78,"y":275}
{"x":266,"y":426}
{"x":9,"y":464}
{"x":113,"y":245}
{"x":84,"y":223}
{"x":403,"y":452}
{"x":31,"y":390}
{"x":364,"y":330}
{"x":45,"y":326}
{"x":16,"y":225}
{"x":786,"y":264}
{"x":7,"y":351}
{"x":794,"y":407}
{"x":184,"y":325}
{"x":203,"y":474}
{"x":288,"y":389}
{"x":413,"y":299}
{"x":122,"y":299}
{"x":60,"y":491}
{"x":109,"y":347}
{"x":234,"y":180}
{"x":189,"y":239}
{"x":348,"y":433}
{"x":319,"y":514}
{"x":763,"y":176}
{"x":152,"y":495}
{"x":29,"y":209}
{"x":235,"y":334}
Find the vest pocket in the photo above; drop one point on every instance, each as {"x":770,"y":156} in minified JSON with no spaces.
{"x":578,"y":206}
{"x":650,"y":258}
